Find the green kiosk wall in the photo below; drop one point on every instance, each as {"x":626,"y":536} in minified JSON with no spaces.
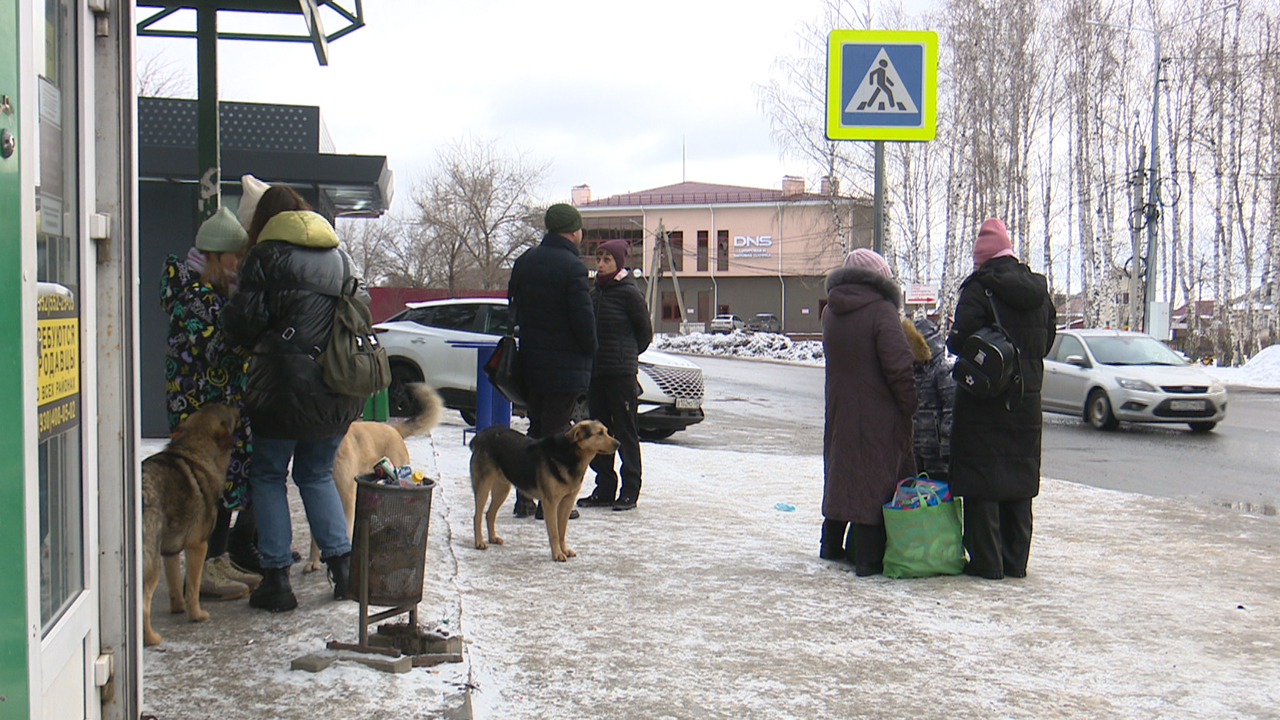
{"x":14,"y":684}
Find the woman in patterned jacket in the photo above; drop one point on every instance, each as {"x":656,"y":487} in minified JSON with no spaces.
{"x":202,"y":367}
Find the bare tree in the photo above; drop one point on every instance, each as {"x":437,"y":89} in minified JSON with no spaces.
{"x":159,"y":75}
{"x":475,"y":209}
{"x":370,"y":243}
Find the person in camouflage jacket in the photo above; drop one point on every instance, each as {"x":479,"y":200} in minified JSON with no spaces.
{"x":201,"y":365}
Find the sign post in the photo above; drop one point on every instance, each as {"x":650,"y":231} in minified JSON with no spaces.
{"x":882,"y":85}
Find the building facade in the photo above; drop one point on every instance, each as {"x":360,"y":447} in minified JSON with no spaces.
{"x":737,"y":250}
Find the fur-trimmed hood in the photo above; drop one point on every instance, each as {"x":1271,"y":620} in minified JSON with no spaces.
{"x":854,"y":276}
{"x":919,"y":347}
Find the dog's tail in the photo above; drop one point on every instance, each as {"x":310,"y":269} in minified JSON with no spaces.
{"x":430,"y":409}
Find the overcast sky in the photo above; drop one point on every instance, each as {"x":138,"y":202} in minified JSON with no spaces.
{"x":606,"y":93}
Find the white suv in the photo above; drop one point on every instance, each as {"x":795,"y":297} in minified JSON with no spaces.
{"x":418,"y":340}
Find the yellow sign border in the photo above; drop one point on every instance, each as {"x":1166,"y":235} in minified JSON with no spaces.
{"x":928,"y":130}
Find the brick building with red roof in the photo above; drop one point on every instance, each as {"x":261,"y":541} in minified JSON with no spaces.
{"x":738,"y":250}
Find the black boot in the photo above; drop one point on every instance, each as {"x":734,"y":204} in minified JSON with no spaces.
{"x":275,"y":593}
{"x":832,"y":547}
{"x":868,"y":549}
{"x":244,"y":554}
{"x":524,"y":505}
{"x":339,"y":574}
{"x":538,"y":515}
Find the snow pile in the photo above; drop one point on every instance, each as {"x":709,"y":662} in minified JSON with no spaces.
{"x":1262,"y":371}
{"x":763,"y":346}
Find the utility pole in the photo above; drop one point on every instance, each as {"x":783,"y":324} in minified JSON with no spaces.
{"x":662,"y":246}
{"x":877,"y":241}
{"x":1152,"y":206}
{"x":1136,"y":294}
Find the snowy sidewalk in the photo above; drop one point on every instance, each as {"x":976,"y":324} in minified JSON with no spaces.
{"x":709,"y":602}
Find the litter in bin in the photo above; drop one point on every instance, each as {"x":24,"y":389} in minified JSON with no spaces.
{"x":386,"y":473}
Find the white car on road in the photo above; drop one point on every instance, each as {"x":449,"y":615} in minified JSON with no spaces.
{"x":1106,"y":376}
{"x":418,"y":341}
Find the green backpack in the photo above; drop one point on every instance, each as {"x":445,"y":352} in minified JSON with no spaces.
{"x":354,"y":362}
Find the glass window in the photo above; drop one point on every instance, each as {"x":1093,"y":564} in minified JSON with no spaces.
{"x":676,"y":241}
{"x":421,"y":316}
{"x":58,"y":323}
{"x":455,"y":317}
{"x":670,"y":307}
{"x":704,"y":252}
{"x":1132,"y":350}
{"x":722,"y":250}
{"x":499,"y":322}
{"x":1068,"y":346}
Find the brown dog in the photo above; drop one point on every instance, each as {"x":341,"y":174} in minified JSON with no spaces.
{"x":181,"y":488}
{"x":550,"y":470}
{"x":368,"y":442}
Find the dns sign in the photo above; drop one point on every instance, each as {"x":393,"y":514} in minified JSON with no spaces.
{"x":752,"y":246}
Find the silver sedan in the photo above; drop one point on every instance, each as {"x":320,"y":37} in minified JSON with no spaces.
{"x":1109,"y":376}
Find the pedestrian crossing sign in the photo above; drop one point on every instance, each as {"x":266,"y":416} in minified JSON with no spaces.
{"x":882,"y":85}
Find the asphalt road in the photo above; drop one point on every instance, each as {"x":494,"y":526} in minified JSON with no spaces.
{"x":777,"y":408}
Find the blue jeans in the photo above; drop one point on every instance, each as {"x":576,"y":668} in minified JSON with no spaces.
{"x":313,"y":475}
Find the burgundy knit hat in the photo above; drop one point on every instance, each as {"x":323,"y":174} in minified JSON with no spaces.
{"x":618,"y":248}
{"x":992,"y":242}
{"x":869,"y":259}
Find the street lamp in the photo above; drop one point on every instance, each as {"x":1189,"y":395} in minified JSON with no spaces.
{"x":1153,"y":177}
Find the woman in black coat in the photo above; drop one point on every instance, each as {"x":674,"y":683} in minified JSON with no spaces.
{"x":289,"y":282}
{"x":995,"y":443}
{"x":623,"y":331}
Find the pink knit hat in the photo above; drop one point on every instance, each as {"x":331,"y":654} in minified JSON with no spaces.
{"x":869,"y":259}
{"x":992,"y":242}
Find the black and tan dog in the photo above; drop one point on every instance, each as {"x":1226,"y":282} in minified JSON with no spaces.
{"x":550,"y":470}
{"x":181,"y":488}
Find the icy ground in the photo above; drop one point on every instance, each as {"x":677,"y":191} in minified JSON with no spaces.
{"x":708,"y":601}
{"x":1262,"y":372}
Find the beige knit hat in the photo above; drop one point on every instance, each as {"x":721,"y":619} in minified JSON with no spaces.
{"x":251,"y":190}
{"x":221,"y":233}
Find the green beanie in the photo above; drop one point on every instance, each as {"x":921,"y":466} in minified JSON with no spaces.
{"x":222,"y":233}
{"x":562,"y":219}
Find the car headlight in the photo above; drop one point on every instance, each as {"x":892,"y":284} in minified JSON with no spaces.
{"x":1216,"y":388}
{"x":1132,"y":384}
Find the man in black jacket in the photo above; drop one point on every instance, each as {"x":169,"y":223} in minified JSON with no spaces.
{"x":551,"y":303}
{"x":624,"y":331}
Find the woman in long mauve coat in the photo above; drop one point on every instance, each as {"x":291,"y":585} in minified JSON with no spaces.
{"x":871,"y":398}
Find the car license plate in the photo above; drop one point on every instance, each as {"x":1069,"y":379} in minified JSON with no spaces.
{"x":1186,"y":405}
{"x":688,"y":403}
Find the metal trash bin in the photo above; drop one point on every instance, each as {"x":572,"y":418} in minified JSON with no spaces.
{"x":389,"y":542}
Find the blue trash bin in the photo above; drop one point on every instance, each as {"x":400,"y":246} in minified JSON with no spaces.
{"x":492,"y":407}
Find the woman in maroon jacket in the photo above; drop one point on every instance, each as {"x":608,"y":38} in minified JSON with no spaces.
{"x":871,"y":398}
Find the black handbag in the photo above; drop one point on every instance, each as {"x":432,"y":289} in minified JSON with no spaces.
{"x":503,"y":369}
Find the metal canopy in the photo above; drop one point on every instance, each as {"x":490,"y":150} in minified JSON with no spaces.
{"x":207,"y":36}
{"x":308,"y":9}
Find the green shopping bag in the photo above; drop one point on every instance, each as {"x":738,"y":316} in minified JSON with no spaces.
{"x":923,"y":541}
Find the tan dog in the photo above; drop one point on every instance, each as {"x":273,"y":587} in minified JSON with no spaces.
{"x":550,"y":470}
{"x":181,"y":489}
{"x":368,"y":442}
